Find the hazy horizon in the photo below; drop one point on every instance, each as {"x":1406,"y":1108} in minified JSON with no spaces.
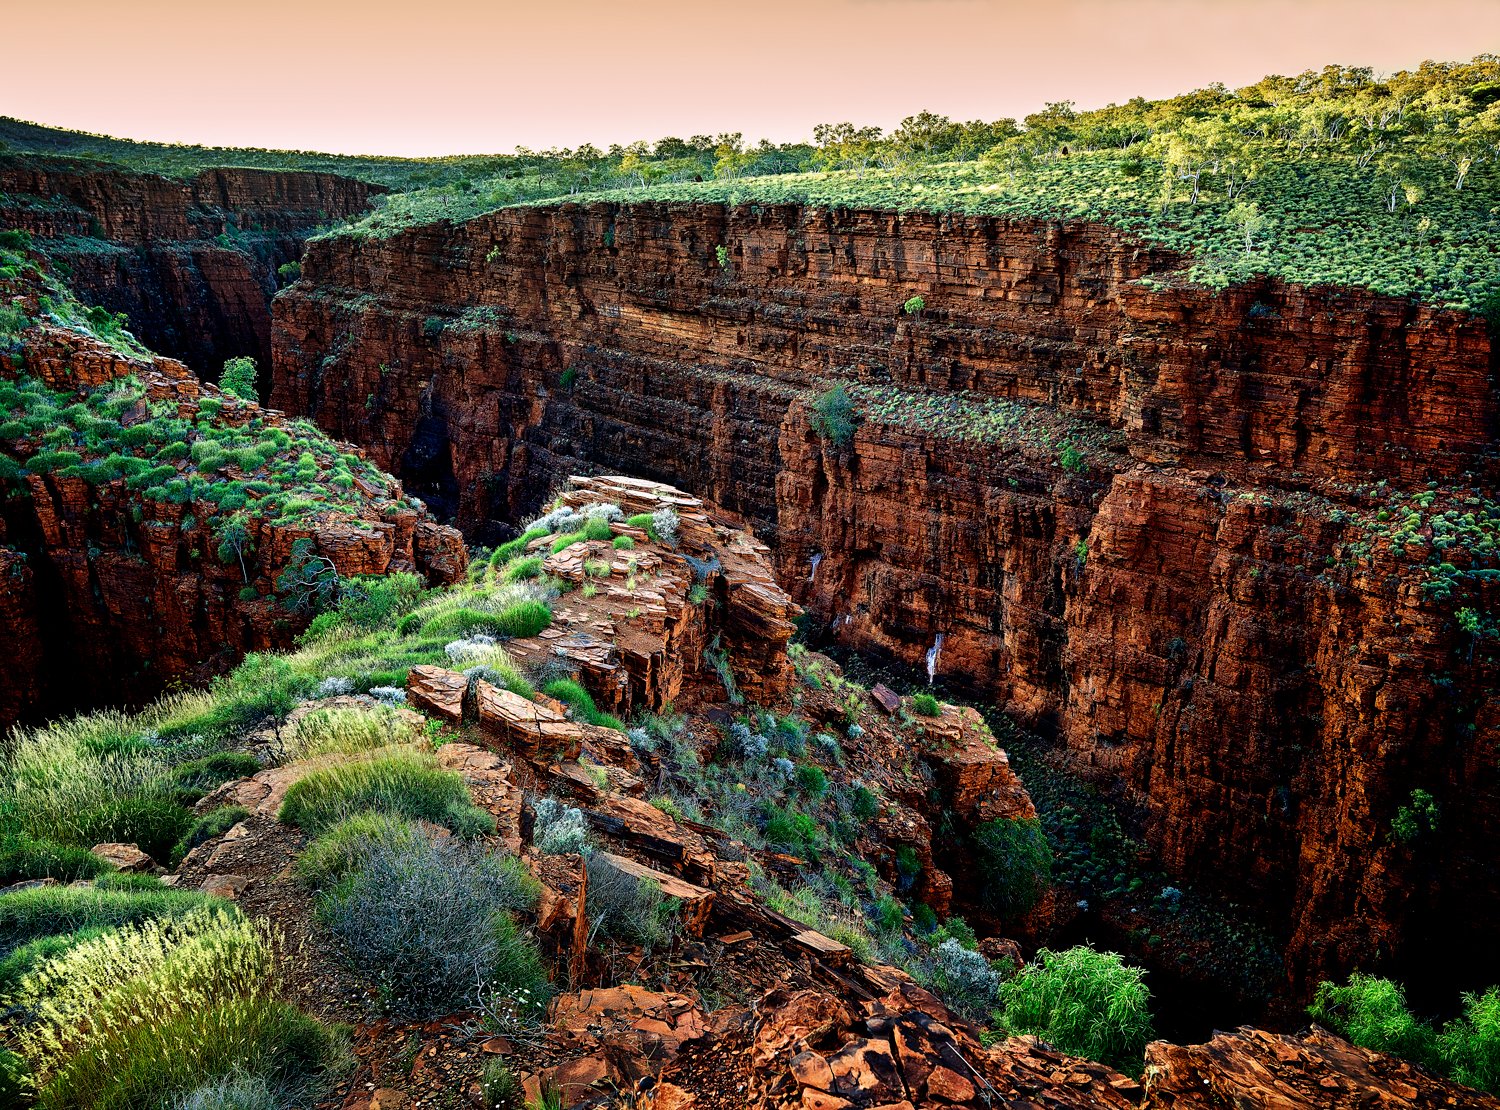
{"x":459,"y":78}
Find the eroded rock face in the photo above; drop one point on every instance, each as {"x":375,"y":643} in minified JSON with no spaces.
{"x":1179,"y":608}
{"x":109,"y":597}
{"x":193,"y":262}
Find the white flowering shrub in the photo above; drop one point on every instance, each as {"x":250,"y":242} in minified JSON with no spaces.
{"x":470,"y":649}
{"x":334,"y":686}
{"x":558,"y":520}
{"x":559,"y":828}
{"x":751,"y":746}
{"x":599,"y":510}
{"x":388,"y":695}
{"x":666,"y":523}
{"x":235,"y":1091}
{"x":964,"y":980}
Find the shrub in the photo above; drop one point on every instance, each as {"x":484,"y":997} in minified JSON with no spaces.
{"x":965,"y":980}
{"x":664,"y":525}
{"x":796,"y":832}
{"x":1372,"y":1012}
{"x":624,"y":543}
{"x":26,"y":915}
{"x":139,"y":973}
{"x":508,"y":551}
{"x":191,"y":780}
{"x":926,"y":705}
{"x":1470,"y":1043}
{"x":403,"y":785}
{"x":31,"y":955}
{"x":863,"y":803}
{"x":626,"y":908}
{"x":238,"y":378}
{"x":230,"y":1092}
{"x":23,"y":857}
{"x":146,"y":1063}
{"x":346,"y":730}
{"x":455,"y":622}
{"x":153,"y":825}
{"x":1072,"y":460}
{"x":644,"y":522}
{"x":206,"y":828}
{"x":499,"y":1089}
{"x":524,"y":619}
{"x":558,"y":828}
{"x":1081,"y":1002}
{"x":597,"y":529}
{"x":339,"y":850}
{"x":811,"y":780}
{"x":833,"y":416}
{"x":1014,"y":865}
{"x":530,"y":567}
{"x":429,"y":920}
{"x":375,"y":601}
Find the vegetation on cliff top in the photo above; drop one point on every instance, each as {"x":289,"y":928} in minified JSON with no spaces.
{"x":1332,"y":177}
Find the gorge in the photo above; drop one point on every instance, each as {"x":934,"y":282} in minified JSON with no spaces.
{"x":1175,"y":605}
{"x":853,"y":626}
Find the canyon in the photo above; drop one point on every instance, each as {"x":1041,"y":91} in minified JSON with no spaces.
{"x":193,"y":263}
{"x":1131,"y":507}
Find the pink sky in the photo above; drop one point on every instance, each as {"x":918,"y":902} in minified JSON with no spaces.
{"x":441,"y":76}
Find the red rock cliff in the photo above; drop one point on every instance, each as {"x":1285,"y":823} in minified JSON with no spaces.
{"x":1192,"y":604}
{"x":192,"y":262}
{"x":106,"y":596}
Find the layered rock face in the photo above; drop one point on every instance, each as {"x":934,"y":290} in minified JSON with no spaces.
{"x":1135,"y":513}
{"x":108,"y":596}
{"x":192,"y":262}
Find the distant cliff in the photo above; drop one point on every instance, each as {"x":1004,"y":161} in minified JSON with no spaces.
{"x":193,"y":262}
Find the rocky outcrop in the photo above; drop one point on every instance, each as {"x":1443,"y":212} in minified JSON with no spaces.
{"x":1142,"y":516}
{"x":1314,"y":1070}
{"x":112,"y":594}
{"x":193,"y":262}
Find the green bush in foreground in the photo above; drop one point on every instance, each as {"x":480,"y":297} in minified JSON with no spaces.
{"x":1081,"y":1002}
{"x":48,"y":911}
{"x":430,"y":920}
{"x":575,"y":697}
{"x":154,"y":825}
{"x":241,"y":1036}
{"x":926,"y":705}
{"x":23,"y":857}
{"x":1373,"y":1013}
{"x":342,"y":847}
{"x":403,"y":785}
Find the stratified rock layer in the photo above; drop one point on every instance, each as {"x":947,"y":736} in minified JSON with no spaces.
{"x":193,"y":262}
{"x":1179,"y":603}
{"x":107,"y":595}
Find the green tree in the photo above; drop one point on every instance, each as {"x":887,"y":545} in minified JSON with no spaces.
{"x":238,"y":378}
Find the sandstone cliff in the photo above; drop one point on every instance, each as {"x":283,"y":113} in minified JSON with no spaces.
{"x":192,"y":262}
{"x":1147,"y":518}
{"x":112,"y":591}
